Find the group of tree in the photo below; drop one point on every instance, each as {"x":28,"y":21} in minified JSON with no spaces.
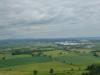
{"x":93,"y":69}
{"x":18,"y":52}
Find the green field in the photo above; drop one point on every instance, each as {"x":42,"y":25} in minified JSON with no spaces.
{"x":25,"y":65}
{"x":71,"y":62}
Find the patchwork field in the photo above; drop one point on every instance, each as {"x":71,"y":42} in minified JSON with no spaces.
{"x":44,"y":58}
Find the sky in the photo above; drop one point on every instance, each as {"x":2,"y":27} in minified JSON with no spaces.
{"x":49,"y":18}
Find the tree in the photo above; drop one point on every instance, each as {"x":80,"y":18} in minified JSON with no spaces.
{"x":51,"y":71}
{"x":93,"y":69}
{"x":35,"y":72}
{"x":3,"y":58}
{"x":90,"y":67}
{"x":71,"y":69}
{"x":85,"y":74}
{"x":95,"y":54}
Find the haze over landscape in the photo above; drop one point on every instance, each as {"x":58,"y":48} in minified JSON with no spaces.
{"x":49,"y":18}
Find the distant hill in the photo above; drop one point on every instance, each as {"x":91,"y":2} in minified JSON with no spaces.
{"x":23,"y":41}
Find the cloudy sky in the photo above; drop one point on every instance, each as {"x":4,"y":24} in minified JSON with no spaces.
{"x":49,"y":18}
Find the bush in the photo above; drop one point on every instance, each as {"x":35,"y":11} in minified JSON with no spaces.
{"x":51,"y":71}
{"x":35,"y":72}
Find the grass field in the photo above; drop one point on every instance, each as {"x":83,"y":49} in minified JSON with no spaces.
{"x":63,"y":63}
{"x":43,"y":69}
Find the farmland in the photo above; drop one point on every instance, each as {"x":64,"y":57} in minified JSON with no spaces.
{"x":25,"y":58}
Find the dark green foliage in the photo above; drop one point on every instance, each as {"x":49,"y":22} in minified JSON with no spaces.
{"x":35,"y":72}
{"x":85,"y":73}
{"x":18,"y":52}
{"x":3,"y":58}
{"x":95,"y":54}
{"x":51,"y":71}
{"x":71,"y":69}
{"x":93,"y":69}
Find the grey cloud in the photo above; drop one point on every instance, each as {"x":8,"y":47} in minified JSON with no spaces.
{"x":55,"y":17}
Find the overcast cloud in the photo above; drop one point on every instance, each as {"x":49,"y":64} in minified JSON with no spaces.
{"x":49,"y":18}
